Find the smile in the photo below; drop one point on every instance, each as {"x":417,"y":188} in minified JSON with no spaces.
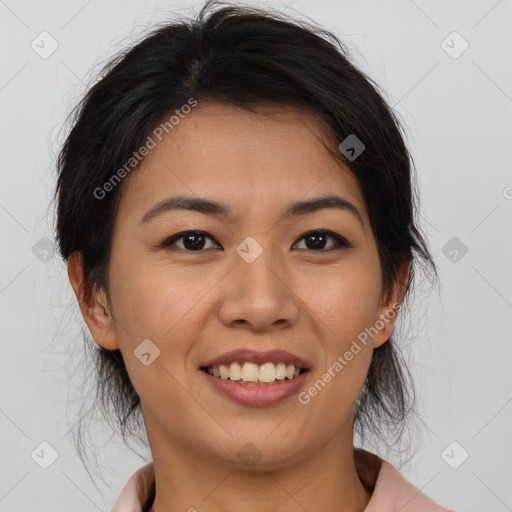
{"x":255,"y":392}
{"x":253,"y":374}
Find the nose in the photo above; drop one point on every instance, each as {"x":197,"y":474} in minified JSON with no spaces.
{"x":259,"y":295}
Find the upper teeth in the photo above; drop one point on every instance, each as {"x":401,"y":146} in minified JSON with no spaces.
{"x":251,"y":372}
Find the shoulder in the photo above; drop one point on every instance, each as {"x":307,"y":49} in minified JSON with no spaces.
{"x":138,"y":491}
{"x":391,"y":492}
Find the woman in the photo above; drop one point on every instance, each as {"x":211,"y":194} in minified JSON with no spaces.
{"x":236,"y":209}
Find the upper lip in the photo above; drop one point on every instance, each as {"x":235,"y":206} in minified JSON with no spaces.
{"x":258,"y":357}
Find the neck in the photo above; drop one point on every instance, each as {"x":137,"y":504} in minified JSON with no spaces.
{"x":325,"y":480}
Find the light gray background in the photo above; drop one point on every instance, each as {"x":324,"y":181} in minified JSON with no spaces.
{"x":457,"y":113}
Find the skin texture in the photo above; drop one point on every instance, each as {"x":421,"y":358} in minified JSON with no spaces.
{"x":197,"y":305}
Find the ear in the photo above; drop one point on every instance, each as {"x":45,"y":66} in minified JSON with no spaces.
{"x":389,"y":307}
{"x":96,"y":315}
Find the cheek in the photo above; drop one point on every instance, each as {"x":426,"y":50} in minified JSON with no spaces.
{"x":151,"y":306}
{"x":346,"y":301}
{"x":154,"y":306}
{"x":346,"y":307}
{"x":339,"y":380}
{"x":154,"y":301}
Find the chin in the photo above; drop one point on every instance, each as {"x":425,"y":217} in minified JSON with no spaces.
{"x":260,"y":453}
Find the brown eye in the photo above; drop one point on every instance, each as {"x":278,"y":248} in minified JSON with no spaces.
{"x":317,"y":240}
{"x":191,"y":241}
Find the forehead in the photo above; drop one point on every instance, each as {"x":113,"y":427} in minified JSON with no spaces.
{"x":274,"y":154}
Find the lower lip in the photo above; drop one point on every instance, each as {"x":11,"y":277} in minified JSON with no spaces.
{"x":257,"y":395}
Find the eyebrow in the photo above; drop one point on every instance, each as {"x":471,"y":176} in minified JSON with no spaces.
{"x":214,"y":208}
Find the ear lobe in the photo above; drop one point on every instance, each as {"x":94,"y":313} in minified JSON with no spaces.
{"x":97,"y":315}
{"x":390,"y":307}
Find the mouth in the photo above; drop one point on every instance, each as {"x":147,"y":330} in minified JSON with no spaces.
{"x":255,"y":378}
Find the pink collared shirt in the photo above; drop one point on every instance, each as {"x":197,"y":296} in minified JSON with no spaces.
{"x":390,"y":491}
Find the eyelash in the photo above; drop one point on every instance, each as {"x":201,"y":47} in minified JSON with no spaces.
{"x":341,"y":243}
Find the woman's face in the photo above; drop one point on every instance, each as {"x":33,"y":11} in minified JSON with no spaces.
{"x":255,"y":280}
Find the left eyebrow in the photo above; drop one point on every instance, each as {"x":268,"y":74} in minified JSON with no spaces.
{"x":214,"y":208}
